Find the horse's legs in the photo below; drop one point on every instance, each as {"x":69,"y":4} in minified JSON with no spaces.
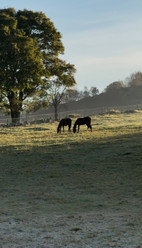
{"x":89,"y":126}
{"x":69,"y":128}
{"x":63,"y":128}
{"x":78,"y":128}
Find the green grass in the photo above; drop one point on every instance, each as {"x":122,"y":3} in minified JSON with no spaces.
{"x":42,"y":172}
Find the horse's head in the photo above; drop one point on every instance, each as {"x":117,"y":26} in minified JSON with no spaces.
{"x":74,"y":129}
{"x":58,"y":129}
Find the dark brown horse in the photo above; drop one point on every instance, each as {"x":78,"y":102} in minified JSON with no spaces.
{"x":64,"y":122}
{"x":82,"y":121}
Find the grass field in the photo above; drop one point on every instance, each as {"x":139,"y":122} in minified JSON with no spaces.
{"x":80,"y":190}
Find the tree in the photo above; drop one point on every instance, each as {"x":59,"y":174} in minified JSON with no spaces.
{"x":61,"y":83}
{"x":73,"y":95}
{"x":135,"y":79}
{"x":29,"y":47}
{"x":115,"y":86}
{"x":94,"y":91}
{"x":86,"y":92}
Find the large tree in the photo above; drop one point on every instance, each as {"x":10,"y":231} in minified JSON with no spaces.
{"x":29,"y":50}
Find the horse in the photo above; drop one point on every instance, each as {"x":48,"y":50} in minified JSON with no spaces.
{"x":82,"y":121}
{"x":64,"y":122}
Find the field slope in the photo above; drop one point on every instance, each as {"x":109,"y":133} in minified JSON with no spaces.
{"x":80,"y":190}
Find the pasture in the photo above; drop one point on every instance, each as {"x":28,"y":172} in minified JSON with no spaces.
{"x":81,"y":190}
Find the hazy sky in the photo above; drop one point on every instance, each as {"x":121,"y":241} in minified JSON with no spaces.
{"x":102,"y":38}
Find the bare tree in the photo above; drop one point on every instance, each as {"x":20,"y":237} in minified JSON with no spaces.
{"x":94,"y":91}
{"x":86,"y":92}
{"x":61,"y":83}
{"x":73,"y":95}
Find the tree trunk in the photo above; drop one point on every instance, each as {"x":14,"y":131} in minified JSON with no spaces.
{"x":56,"y":112}
{"x":15,"y":116}
{"x":15,"y":107}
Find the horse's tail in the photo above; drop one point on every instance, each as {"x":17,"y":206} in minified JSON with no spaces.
{"x":70,"y":125}
{"x":89,"y":123}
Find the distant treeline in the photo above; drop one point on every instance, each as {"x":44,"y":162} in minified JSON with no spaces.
{"x":131,"y":83}
{"x":116,"y":94}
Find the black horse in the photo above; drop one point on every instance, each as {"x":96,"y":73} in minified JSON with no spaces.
{"x":82,"y":121}
{"x":64,"y":122}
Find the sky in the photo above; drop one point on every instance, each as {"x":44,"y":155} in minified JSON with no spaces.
{"x":102,"y":38}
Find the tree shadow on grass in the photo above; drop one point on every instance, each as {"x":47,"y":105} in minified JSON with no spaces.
{"x":37,"y":129}
{"x":75,"y":177}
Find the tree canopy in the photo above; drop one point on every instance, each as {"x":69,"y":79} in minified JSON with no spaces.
{"x":135,"y":79}
{"x":115,"y":86}
{"x":30,"y":47}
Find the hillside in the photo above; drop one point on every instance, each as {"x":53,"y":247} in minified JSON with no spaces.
{"x":122,"y":97}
